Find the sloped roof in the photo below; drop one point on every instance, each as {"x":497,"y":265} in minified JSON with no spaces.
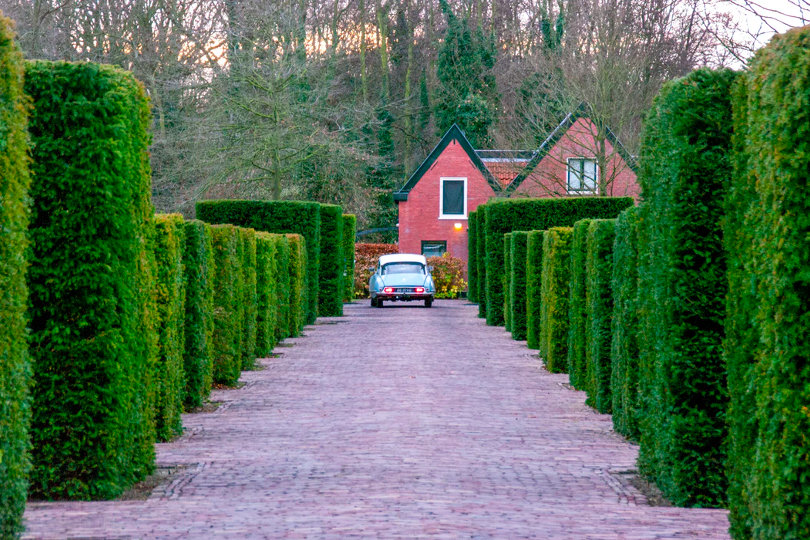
{"x":454,"y":133}
{"x":505,"y":165}
{"x":557,"y":134}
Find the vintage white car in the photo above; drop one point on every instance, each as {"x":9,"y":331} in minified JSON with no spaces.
{"x":401,"y":276}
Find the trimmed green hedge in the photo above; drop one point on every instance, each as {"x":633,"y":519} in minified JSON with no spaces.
{"x":349,"y":232}
{"x":198,"y":266}
{"x":507,"y":215}
{"x":90,"y":281}
{"x":624,"y":347}
{"x":299,"y":217}
{"x":554,"y":292}
{"x":170,"y":298}
{"x":517,"y":293}
{"x":599,"y":312}
{"x":298,"y":264}
{"x":534,"y":277}
{"x":248,"y":305}
{"x":481,"y":260}
{"x":266,"y":294}
{"x":226,"y":349}
{"x":577,"y":313}
{"x":330,"y":295}
{"x":685,"y":169}
{"x":472,"y":260}
{"x":282,"y":286}
{"x":14,"y":214}
{"x":768,"y":338}
{"x":506,"y":278}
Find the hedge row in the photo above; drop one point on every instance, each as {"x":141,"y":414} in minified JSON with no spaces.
{"x":506,"y":215}
{"x":599,"y":309}
{"x":517,"y":284}
{"x":14,"y":367}
{"x":768,"y":329}
{"x":481,"y":260}
{"x":282,"y":217}
{"x":92,"y":335}
{"x":248,"y":305}
{"x":349,"y":232}
{"x":534,"y":272}
{"x":554,"y":294}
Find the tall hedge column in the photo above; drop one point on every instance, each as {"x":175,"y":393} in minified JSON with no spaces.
{"x":768,"y":336}
{"x":685,"y":169}
{"x":14,"y":368}
{"x":349,"y":231}
{"x":91,"y":281}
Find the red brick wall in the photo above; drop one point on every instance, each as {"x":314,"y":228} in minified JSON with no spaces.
{"x":549,"y":177}
{"x":419,"y":215}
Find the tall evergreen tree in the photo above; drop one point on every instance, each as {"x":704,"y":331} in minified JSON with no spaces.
{"x":467,"y":93}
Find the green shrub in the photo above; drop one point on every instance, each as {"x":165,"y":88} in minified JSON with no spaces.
{"x":506,"y":279}
{"x":577,"y":314}
{"x":330,"y":295}
{"x":282,"y":286}
{"x":90,"y":281}
{"x":599,"y":312}
{"x":472,"y":293}
{"x":624,"y":347}
{"x":534,"y":275}
{"x":298,"y":264}
{"x":507,"y":215}
{"x":481,"y":260}
{"x":226,"y":350}
{"x":517,"y":293}
{"x":170,"y":298}
{"x":14,"y":214}
{"x":266,"y":294}
{"x":554,"y":292}
{"x":299,"y":217}
{"x":768,"y":328}
{"x":448,"y":275}
{"x":248,"y":305}
{"x":349,"y":232}
{"x":198,"y":266}
{"x":685,"y":169}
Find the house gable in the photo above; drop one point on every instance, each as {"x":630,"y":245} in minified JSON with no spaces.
{"x":568,"y":133}
{"x":452,"y":134}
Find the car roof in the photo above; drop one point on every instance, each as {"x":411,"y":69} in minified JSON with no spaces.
{"x":402,"y":257}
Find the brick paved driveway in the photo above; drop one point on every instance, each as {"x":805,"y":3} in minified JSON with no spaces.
{"x":394,"y":423}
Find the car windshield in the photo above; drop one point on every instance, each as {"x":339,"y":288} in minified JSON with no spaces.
{"x":403,"y":268}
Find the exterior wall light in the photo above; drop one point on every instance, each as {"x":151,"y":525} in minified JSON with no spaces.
{"x":457,"y":226}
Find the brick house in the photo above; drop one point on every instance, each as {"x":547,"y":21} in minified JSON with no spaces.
{"x":455,"y":178}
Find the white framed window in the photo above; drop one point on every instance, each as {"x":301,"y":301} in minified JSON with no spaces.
{"x":582,"y":175}
{"x":452,"y":198}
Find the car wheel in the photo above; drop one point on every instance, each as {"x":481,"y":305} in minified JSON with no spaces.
{"x":428,"y":302}
{"x":373,"y":302}
{"x":379,"y":302}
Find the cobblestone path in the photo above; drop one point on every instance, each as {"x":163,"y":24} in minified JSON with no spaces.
{"x":399,"y":422}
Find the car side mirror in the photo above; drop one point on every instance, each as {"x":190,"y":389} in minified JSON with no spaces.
{"x":430,"y":268}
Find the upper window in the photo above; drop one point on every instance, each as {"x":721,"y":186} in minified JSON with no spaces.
{"x":581,"y":175}
{"x":453,"y":198}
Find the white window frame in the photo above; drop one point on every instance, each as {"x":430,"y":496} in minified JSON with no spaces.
{"x":442,"y":215}
{"x":595,"y":190}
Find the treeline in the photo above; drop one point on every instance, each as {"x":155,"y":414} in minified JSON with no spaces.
{"x":686,"y":317}
{"x":339,"y":100}
{"x":116,"y":320}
